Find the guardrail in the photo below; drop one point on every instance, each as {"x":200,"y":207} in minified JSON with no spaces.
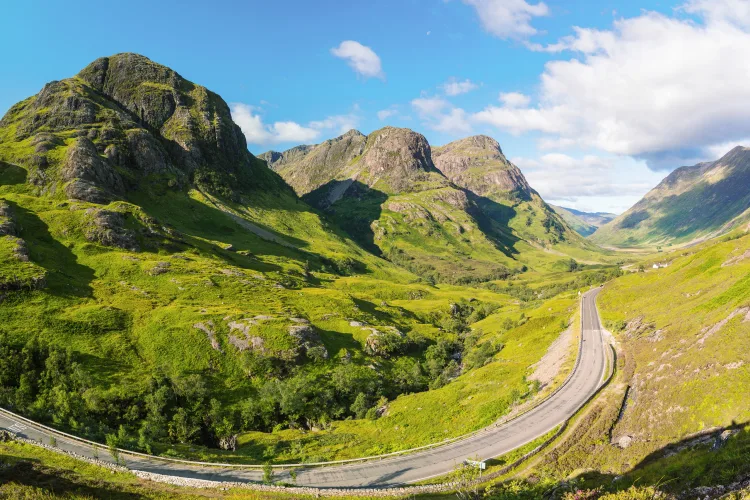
{"x":313,"y":464}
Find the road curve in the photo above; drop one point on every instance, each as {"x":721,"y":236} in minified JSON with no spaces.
{"x":409,"y":468}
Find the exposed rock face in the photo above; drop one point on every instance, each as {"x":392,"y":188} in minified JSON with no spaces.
{"x":399,"y":157}
{"x":147,"y":153}
{"x":108,"y":228}
{"x":478,"y":164}
{"x":391,"y":159}
{"x":133,"y":115}
{"x":89,"y":176}
{"x":189,"y":116}
{"x":308,"y":340}
{"x":7,"y":223}
{"x":306,"y":168}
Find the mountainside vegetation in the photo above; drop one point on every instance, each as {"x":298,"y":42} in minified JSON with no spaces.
{"x":691,"y":204}
{"x":162,"y":289}
{"x":460,"y":213}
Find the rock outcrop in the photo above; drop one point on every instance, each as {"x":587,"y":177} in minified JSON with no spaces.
{"x":7,"y":222}
{"x":134,"y":121}
{"x":89,"y":177}
{"x":478,"y":164}
{"x":107,"y":228}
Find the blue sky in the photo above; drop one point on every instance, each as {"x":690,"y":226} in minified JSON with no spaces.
{"x":595,"y":100}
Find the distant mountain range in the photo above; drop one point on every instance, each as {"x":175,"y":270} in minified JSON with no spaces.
{"x":455,"y":213}
{"x":584,"y":223}
{"x":690,"y":204}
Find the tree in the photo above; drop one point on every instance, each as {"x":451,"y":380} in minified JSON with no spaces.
{"x":360,"y":406}
{"x":267,"y":473}
{"x":113,"y":444}
{"x":407,"y":375}
{"x":182,"y":428}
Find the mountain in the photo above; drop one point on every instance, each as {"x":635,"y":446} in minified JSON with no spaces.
{"x":691,"y":203}
{"x":155,"y":275}
{"x":518,"y":215}
{"x":161,"y":287}
{"x":584,"y":223}
{"x":385,"y":191}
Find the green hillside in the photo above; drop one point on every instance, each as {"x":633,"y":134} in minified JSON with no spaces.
{"x":677,"y":415}
{"x":164,"y":290}
{"x":690,"y":204}
{"x":460,"y":213}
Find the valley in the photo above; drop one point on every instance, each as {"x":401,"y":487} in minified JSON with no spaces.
{"x":166,"y":293}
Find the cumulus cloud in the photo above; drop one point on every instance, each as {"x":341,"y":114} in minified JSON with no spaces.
{"x":384,"y":114}
{"x":561,"y":178}
{"x":337,"y":123}
{"x":508,"y":18}
{"x":429,"y":107}
{"x":259,"y":133}
{"x":454,"y":122}
{"x":362,"y":59}
{"x":665,"y":89}
{"x":454,"y":87}
{"x":514,"y":99}
{"x":440,"y":115}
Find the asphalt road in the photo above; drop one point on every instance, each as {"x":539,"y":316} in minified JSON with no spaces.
{"x":409,"y":468}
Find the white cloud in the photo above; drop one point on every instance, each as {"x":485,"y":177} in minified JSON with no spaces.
{"x":384,"y":114}
{"x":453,"y":87}
{"x":735,"y":12}
{"x":256,"y":132}
{"x":720,"y":149}
{"x":514,"y":99}
{"x":362,"y":59}
{"x":589,"y":179}
{"x":429,"y":107}
{"x":292,"y":132}
{"x":454,"y":122}
{"x":438,"y":114}
{"x":664,"y":89}
{"x":508,"y":18}
{"x":339,"y":123}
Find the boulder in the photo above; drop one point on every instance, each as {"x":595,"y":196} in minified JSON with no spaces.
{"x":107,"y":228}
{"x":89,"y":177}
{"x":7,"y":222}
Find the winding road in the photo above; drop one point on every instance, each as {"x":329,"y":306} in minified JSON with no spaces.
{"x":583,"y":383}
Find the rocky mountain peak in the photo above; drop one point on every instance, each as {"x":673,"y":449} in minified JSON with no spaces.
{"x":397,"y":152}
{"x":478,"y":164}
{"x":138,"y":117}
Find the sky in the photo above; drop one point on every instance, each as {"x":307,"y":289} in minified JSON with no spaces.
{"x":595,"y":101}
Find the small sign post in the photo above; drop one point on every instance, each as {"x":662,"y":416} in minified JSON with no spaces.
{"x":481,"y":465}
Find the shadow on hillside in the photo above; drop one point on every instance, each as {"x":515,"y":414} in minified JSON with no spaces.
{"x":703,"y":459}
{"x":494,"y":220}
{"x":11,"y":174}
{"x":706,"y":208}
{"x":355,"y":212}
{"x":65,"y":276}
{"x":198,"y":222}
{"x":31,"y":473}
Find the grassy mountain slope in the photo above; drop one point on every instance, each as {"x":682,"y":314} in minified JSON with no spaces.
{"x":584,"y":223}
{"x":473,"y":218}
{"x":384,"y":190}
{"x":513,"y":212}
{"x":163,"y":289}
{"x":678,"y":413}
{"x":690,"y":203}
